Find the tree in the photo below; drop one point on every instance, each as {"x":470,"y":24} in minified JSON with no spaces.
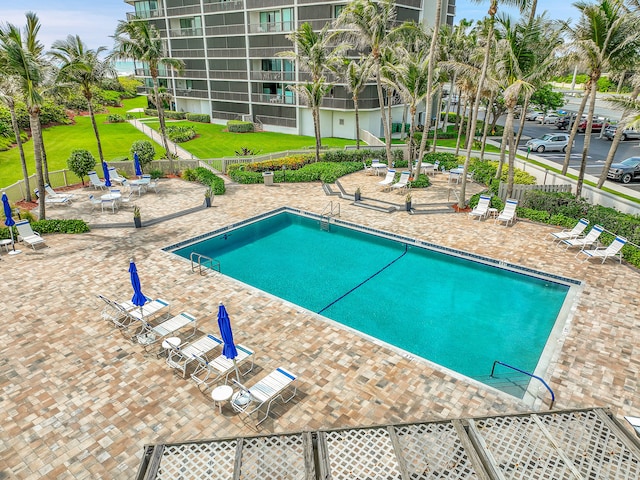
{"x":23,"y":59}
{"x":81,"y":162}
{"x":355,"y":74}
{"x":83,"y":68}
{"x":546,"y":99}
{"x":144,"y":149}
{"x":139,"y":40}
{"x":366,"y":25}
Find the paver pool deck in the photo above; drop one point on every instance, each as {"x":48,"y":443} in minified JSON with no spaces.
{"x":79,"y":401}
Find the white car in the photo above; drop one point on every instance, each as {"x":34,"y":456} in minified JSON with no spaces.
{"x":533,"y":115}
{"x":548,"y":142}
{"x":548,"y":118}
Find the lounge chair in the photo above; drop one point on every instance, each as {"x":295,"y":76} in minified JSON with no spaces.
{"x":209,"y":372}
{"x":482,"y":209}
{"x":388,"y":180}
{"x":402,"y":184}
{"x":115,"y":177}
{"x":148,"y":335}
{"x":575,"y":232}
{"x":251,"y":399}
{"x":117,"y":312}
{"x":367,"y":169}
{"x":53,"y":200}
{"x":95,"y":181}
{"x":590,"y":239}
{"x":94,"y":202}
{"x":52,"y":193}
{"x":613,"y":250}
{"x":180,"y":356}
{"x":149,"y":310}
{"x":508,"y":215}
{"x":27,"y":235}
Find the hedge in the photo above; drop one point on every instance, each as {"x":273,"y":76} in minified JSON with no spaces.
{"x":199,"y":117}
{"x":172,"y":115}
{"x":238,"y":126}
{"x":51,"y":226}
{"x":326,"y":172}
{"x":207,"y":178}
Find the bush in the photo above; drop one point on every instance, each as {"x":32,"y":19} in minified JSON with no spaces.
{"x":107,"y":97}
{"x":327,"y":172}
{"x":205,"y":177}
{"x":175,"y":115}
{"x":60,"y":226}
{"x":422,"y":181}
{"x":199,"y":117}
{"x":130,"y":86}
{"x":81,"y":162}
{"x":181,"y":133}
{"x":238,"y":126}
{"x":150,"y":112}
{"x":157,"y":173}
{"x":145,"y":150}
{"x":115,"y":118}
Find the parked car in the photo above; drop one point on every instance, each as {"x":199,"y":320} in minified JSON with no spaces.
{"x":548,"y":118}
{"x":548,"y":142}
{"x":625,"y":171}
{"x":596,"y":126}
{"x":562,"y":123}
{"x":627,"y":133}
{"x":532,"y":115}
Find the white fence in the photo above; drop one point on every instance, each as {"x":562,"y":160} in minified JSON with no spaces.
{"x":519,"y":191}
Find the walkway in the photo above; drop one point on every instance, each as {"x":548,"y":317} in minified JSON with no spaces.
{"x":156,"y":137}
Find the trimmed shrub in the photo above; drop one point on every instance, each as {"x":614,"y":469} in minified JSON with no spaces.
{"x":115,"y":118}
{"x":60,"y":226}
{"x":422,"y":181}
{"x":108,"y":97}
{"x":145,"y":150}
{"x":198,"y":117}
{"x":327,"y":172}
{"x":81,"y":162}
{"x":157,"y":173}
{"x":207,"y":178}
{"x":181,"y":133}
{"x":150,"y":112}
{"x":173,"y":115}
{"x":238,"y":126}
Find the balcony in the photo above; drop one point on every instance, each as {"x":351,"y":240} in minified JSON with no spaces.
{"x":231,"y":96}
{"x":187,"y":53}
{"x":191,"y":93}
{"x":222,"y":6}
{"x":193,"y":74}
{"x":185,"y":32}
{"x":267,"y":52}
{"x":272,"y":98}
{"x":271,"y":27}
{"x":180,"y":11}
{"x":148,"y":14}
{"x":226,"y":52}
{"x":224,"y":30}
{"x":273,"y":76}
{"x":228,"y":74}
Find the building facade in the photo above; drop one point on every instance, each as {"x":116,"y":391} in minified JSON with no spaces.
{"x":232,"y":69}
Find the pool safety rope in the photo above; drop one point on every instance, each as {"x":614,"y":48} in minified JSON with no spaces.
{"x":406,"y":248}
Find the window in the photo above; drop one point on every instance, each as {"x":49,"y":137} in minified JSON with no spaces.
{"x":146,"y":9}
{"x":276,"y":20}
{"x":341,"y":121}
{"x":337,"y":9}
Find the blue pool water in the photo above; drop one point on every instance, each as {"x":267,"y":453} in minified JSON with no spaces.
{"x":455,"y":312}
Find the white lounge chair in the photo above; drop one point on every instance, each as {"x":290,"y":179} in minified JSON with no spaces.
{"x":52,"y":193}
{"x":209,"y":372}
{"x":149,"y":310}
{"x":367,"y":169}
{"x":251,"y":399}
{"x":53,"y":200}
{"x":613,"y":250}
{"x":508,"y":215}
{"x":117,"y":312}
{"x":402,"y":183}
{"x":115,"y":177}
{"x":95,"y":181}
{"x":148,"y":335}
{"x":180,"y":356}
{"x":590,"y":239}
{"x":388,"y":180}
{"x":27,"y":235}
{"x":482,"y":209}
{"x":575,"y":232}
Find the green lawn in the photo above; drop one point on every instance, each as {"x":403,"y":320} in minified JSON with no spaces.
{"x":213,"y":142}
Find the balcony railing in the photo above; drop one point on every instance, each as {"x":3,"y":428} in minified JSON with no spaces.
{"x":233,"y":96}
{"x":228,"y":74}
{"x":186,"y":32}
{"x":139,"y":15}
{"x":266,"y":52}
{"x":226,"y":52}
{"x":179,"y":11}
{"x":278,"y":121}
{"x":225,"y":30}
{"x":191,"y":93}
{"x":271,"y":98}
{"x":287,"y":26}
{"x":273,"y":76}
{"x":221,"y":6}
{"x":187,"y":53}
{"x":192,"y":73}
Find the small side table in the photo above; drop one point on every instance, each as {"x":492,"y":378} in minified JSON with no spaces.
{"x":221,"y":394}
{"x":5,"y":243}
{"x":492,"y":212}
{"x":169,"y":343}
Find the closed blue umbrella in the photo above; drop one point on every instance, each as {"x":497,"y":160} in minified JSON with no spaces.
{"x":107,"y":178}
{"x":9,"y":222}
{"x":229,"y":350}
{"x":138,"y":298}
{"x":136,"y":163}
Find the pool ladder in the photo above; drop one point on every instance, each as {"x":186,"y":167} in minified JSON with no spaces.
{"x":198,"y":261}
{"x":330,"y":211}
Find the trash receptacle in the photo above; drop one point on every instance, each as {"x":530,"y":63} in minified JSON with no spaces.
{"x":267,"y":178}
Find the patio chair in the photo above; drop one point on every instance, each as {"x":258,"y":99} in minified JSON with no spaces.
{"x":149,"y":310}
{"x":508,"y":215}
{"x":180,"y":356}
{"x":590,"y":239}
{"x":117,"y":312}
{"x":482,"y":209}
{"x":367,"y":169}
{"x":95,"y":181}
{"x":94,"y":202}
{"x":250,"y":399}
{"x":388,"y":180}
{"x":402,"y":184}
{"x":153,"y":185}
{"x":27,"y":235}
{"x":613,"y":250}
{"x":115,"y":176}
{"x":52,"y":193}
{"x":209,"y":372}
{"x":53,"y":200}
{"x":148,"y":335}
{"x":575,"y":232}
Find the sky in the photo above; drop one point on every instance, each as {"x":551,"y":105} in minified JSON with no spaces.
{"x":96,"y":20}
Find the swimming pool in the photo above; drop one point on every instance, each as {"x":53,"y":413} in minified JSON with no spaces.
{"x":458,"y":310}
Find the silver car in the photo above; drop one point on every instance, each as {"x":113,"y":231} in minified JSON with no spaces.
{"x":549,"y":142}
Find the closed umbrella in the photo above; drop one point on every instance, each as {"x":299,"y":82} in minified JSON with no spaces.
{"x":9,"y":222}
{"x":138,"y":298}
{"x":107,"y":178}
{"x":136,"y":164}
{"x":229,"y":350}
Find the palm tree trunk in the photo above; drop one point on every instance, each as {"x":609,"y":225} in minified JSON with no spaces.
{"x":522,"y":120}
{"x":36,"y":134}
{"x":485,"y":130}
{"x":405,"y":111}
{"x":460,"y":124}
{"x":163,"y":129}
{"x":383,"y":114}
{"x":616,"y":141}
{"x":587,"y":138}
{"x":45,"y":164}
{"x":95,"y":130}
{"x":508,"y":129}
{"x":574,"y":128}
{"x":412,"y":131}
{"x":503,"y":150}
{"x":23,"y":161}
{"x":355,"y":107}
{"x":316,"y":127}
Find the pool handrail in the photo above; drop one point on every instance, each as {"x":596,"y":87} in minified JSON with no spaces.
{"x":553,"y":396}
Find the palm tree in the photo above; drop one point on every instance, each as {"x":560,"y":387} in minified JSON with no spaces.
{"x":82,"y":67}
{"x":604,"y":34}
{"x":23,"y":59}
{"x":367,"y":24}
{"x":314,"y":53}
{"x":354,"y":74}
{"x":139,"y":40}
{"x":9,"y":91}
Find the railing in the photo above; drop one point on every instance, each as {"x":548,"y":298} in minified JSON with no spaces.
{"x":197,"y":260}
{"x":553,"y":396}
{"x":331,"y":210}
